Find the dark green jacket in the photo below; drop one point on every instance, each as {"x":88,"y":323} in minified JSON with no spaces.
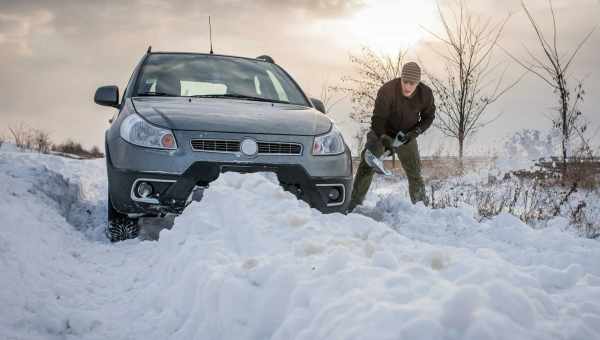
{"x":393,"y":111}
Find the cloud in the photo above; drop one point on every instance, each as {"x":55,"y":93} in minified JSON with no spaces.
{"x":16,"y":30}
{"x":59,"y":52}
{"x":55,"y":53}
{"x":318,"y":8}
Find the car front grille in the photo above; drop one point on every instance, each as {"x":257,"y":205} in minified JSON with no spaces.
{"x":216,"y":145}
{"x":279,"y":148}
{"x":233,"y":146}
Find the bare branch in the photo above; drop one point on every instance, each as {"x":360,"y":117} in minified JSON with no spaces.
{"x":542,"y":40}
{"x":530,"y":69}
{"x":554,"y":29}
{"x":578,"y":48}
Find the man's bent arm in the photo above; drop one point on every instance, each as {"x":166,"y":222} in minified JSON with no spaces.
{"x":427,"y":116}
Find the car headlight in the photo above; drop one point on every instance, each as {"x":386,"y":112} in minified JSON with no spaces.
{"x":330,"y":143}
{"x":136,"y":130}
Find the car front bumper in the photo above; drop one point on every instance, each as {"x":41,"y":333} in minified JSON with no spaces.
{"x":175,"y":175}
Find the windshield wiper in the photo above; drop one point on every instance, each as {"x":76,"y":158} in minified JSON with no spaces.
{"x":153,"y":93}
{"x":240,"y":96}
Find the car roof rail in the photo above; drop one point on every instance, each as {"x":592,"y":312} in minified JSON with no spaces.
{"x":266,"y":58}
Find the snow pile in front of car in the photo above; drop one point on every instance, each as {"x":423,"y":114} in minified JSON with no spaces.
{"x":251,"y":262}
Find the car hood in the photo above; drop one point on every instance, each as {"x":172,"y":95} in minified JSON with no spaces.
{"x":231,"y":115}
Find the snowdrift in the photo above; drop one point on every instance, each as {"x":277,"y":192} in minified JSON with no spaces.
{"x":251,"y":262}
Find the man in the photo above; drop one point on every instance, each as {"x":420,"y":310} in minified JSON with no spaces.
{"x":403,"y":104}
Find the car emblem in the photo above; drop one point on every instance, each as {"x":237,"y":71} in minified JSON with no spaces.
{"x":249,"y":147}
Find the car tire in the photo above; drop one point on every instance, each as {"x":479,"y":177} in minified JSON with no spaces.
{"x":120,"y":227}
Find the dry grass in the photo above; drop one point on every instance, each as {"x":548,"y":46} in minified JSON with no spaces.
{"x":73,"y":148}
{"x":532,"y":196}
{"x":26,"y":138}
{"x":22,"y":136}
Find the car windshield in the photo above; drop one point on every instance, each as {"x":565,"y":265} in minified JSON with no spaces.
{"x":216,"y":76}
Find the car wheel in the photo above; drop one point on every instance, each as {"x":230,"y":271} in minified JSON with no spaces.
{"x":120,"y":227}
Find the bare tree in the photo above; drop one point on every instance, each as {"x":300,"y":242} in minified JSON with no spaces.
{"x":553,"y":69}
{"x":471,"y":82}
{"x":371,"y":72}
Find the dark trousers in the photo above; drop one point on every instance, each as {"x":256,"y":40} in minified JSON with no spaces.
{"x":409,"y":157}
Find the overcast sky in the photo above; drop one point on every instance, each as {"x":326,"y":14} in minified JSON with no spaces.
{"x":54,"y":54}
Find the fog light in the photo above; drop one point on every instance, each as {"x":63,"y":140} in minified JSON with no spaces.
{"x":145,"y":189}
{"x":333,"y":194}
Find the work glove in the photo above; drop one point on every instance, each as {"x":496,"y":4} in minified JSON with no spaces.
{"x":387,"y":142}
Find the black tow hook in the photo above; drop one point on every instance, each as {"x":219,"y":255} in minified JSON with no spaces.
{"x":200,"y":173}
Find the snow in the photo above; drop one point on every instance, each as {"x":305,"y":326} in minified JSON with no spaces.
{"x":251,"y":262}
{"x":532,"y":144}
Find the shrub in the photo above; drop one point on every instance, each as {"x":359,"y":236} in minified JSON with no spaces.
{"x":22,"y":136}
{"x":27,"y":138}
{"x":73,"y":148}
{"x":40,"y":141}
{"x":583,"y":172}
{"x":95,"y":152}
{"x":533,"y":197}
{"x":69,"y":146}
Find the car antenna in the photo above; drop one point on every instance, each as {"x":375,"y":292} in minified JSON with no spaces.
{"x":149,"y":49}
{"x":210,"y":35}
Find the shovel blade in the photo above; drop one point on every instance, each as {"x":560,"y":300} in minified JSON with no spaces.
{"x":376,"y":163}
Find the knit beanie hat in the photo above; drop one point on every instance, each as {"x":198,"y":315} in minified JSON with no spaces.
{"x":411,"y":72}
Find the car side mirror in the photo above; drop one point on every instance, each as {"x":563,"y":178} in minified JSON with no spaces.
{"x":318,"y":105}
{"x":107,"y":96}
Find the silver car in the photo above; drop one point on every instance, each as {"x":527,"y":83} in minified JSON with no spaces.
{"x":187,"y":117}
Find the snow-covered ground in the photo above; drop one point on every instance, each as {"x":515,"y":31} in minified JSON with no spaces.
{"x":251,"y":262}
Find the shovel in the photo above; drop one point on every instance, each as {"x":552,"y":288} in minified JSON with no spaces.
{"x":377,"y":163}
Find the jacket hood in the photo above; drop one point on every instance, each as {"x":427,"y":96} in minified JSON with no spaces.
{"x":231,"y":115}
